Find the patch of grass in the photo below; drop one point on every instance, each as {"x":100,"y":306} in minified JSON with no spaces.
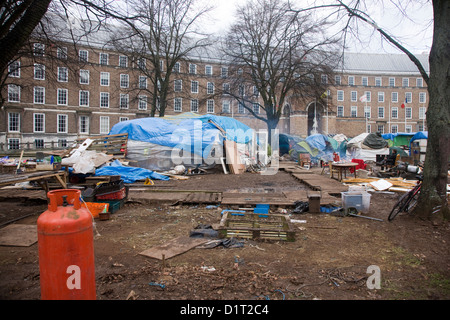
{"x":440,"y":282}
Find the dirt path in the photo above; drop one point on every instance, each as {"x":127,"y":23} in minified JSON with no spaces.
{"x":328,"y":260}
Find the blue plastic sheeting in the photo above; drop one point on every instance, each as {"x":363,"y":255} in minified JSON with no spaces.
{"x":128,"y":174}
{"x":187,"y":131}
{"x":420,"y":135}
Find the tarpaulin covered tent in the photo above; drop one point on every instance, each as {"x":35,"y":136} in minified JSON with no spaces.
{"x":366,"y":146}
{"x":398,"y":139}
{"x":189,"y":139}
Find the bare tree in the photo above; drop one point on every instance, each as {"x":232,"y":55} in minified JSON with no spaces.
{"x":164,"y":36}
{"x":276,"y":56}
{"x":433,"y":196}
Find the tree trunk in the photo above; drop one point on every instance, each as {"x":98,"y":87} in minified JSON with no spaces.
{"x":434,"y":188}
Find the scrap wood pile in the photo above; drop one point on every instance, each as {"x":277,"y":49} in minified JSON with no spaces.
{"x":391,"y":184}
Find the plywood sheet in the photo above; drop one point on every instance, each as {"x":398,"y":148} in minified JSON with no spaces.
{"x":174,"y":247}
{"x":18,"y":235}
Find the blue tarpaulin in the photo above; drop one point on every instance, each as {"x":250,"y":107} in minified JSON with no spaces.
{"x":128,"y":174}
{"x":187,"y":132}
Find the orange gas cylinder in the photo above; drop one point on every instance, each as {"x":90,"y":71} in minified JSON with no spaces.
{"x":66,"y":248}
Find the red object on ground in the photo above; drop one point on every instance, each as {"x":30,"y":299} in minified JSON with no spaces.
{"x":66,"y":248}
{"x":361,"y":165}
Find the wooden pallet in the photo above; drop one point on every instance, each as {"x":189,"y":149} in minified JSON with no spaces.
{"x":256,"y":226}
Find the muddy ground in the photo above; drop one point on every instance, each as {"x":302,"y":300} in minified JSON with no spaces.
{"x":328,"y":260}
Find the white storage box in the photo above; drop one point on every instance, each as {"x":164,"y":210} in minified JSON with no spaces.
{"x":358,"y":200}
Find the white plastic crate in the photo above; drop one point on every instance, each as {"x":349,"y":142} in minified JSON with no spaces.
{"x":358,"y":200}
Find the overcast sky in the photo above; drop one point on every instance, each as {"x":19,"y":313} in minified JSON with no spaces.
{"x":414,"y":28}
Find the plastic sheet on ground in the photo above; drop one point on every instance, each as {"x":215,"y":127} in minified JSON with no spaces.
{"x":128,"y":174}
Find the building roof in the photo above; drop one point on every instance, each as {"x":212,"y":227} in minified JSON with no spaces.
{"x":382,"y":63}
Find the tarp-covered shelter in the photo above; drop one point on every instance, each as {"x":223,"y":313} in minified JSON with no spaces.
{"x":367,"y":146}
{"x":398,"y":139}
{"x":189,"y":139}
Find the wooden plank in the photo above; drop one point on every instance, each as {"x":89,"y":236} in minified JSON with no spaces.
{"x":19,"y":235}
{"x":174,"y":247}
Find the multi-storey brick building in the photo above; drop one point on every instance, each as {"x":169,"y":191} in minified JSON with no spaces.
{"x":83,"y":91}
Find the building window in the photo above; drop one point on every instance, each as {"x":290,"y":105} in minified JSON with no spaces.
{"x":369,"y":128}
{"x":141,"y":63}
{"x":224,"y":72}
{"x":422,"y":113}
{"x":124,"y":81}
{"x":104,"y":79}
{"x":62,"y":97}
{"x":209,"y":70}
{"x":368,"y":96}
{"x":83,"y":55}
{"x":380,"y":96}
{"x":408,"y":113}
{"x":256,"y":107}
{"x":351,"y":80}
{"x":123,"y":119}
{"x":194,"y":105}
{"x":142,"y":102}
{"x":104,"y":99}
{"x":405,"y":82}
{"x":38,"y":49}
{"x":14,"y":69}
{"x":380,"y":128}
{"x":241,"y":107}
{"x":61,"y":53}
{"x":210,"y":88}
{"x":124,"y":101}
{"x":142,"y":82}
{"x":365,"y":81}
{"x":13,"y":93}
{"x":178,"y":85}
{"x":419,"y":82}
{"x":381,"y":112}
{"x":391,"y":82}
{"x":63,"y":75}
{"x":210,"y":106}
{"x":353,"y":111}
{"x":177,"y":67}
{"x":192,"y":68}
{"x":84,"y":125}
{"x":408,"y":128}
{"x":226,"y":106}
{"x":104,"y":125}
{"x":84,"y":98}
{"x":178,"y":105}
{"x":13,"y":144}
{"x":84,"y":76}
{"x":194,"y":86}
{"x":408,"y":97}
{"x":39,"y":95}
{"x":367,"y":112}
{"x":394,"y":113}
{"x":103,"y":59}
{"x":62,"y":123}
{"x":422,"y":97}
{"x":340,"y":95}
{"x":394,"y":128}
{"x":39,"y":71}
{"x":394,"y":97}
{"x":226,"y":88}
{"x":378,"y":82}
{"x":340,"y":111}
{"x":354,"y":96}
{"x":337,"y":80}
{"x":123,"y":61}
{"x":13,"y":122}
{"x":39,"y":143}
{"x":324,"y":79}
{"x":62,"y":143}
